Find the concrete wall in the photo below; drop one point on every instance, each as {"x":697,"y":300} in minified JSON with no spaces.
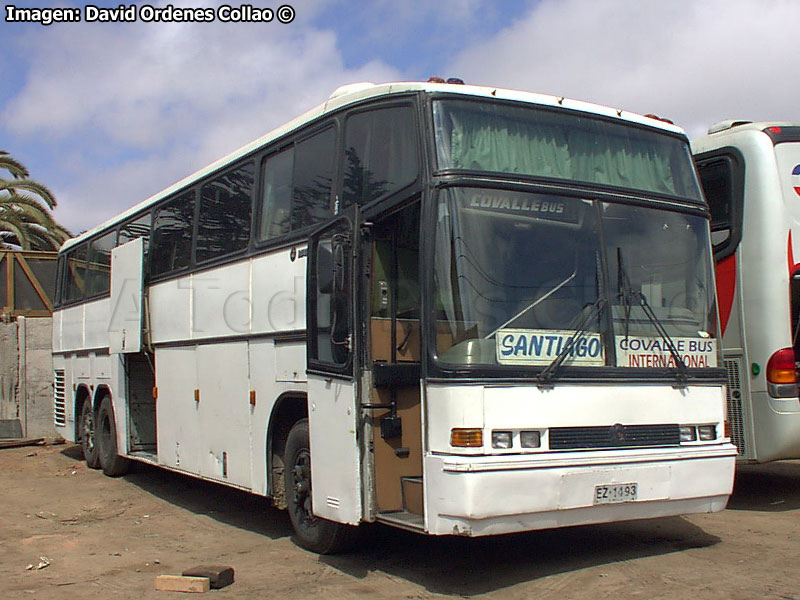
{"x":9,"y":371}
{"x":26,"y":375}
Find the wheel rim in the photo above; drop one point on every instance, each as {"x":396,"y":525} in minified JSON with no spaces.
{"x":301,"y":489}
{"x":88,"y":430}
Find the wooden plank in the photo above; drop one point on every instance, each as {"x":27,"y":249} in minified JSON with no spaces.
{"x":220,"y":576}
{"x":9,"y":282}
{"x":37,"y":287}
{"x":180,"y":583}
{"x":19,"y":442}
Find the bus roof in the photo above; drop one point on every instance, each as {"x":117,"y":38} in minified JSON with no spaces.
{"x":357,"y":92}
{"x":719,"y":133}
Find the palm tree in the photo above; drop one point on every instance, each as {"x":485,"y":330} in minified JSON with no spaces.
{"x":25,"y":219}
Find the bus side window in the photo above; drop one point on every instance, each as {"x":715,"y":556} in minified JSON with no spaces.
{"x":722,"y":180}
{"x":312,"y":179}
{"x":138,"y":228}
{"x":75,"y":274}
{"x":332,"y":323}
{"x":380,"y":154}
{"x":224,"y":219}
{"x":172,"y":235}
{"x":276,"y":195}
{"x":98,"y":277}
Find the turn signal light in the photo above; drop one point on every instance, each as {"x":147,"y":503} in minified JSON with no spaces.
{"x":466,"y":438}
{"x":781,"y":367}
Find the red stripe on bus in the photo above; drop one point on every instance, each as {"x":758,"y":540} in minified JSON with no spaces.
{"x":726,"y":287}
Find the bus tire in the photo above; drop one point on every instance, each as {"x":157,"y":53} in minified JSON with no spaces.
{"x":113,"y":464}
{"x":312,"y":533}
{"x":88,"y":432}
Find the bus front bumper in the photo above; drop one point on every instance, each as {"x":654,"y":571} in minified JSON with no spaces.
{"x":487,"y":495}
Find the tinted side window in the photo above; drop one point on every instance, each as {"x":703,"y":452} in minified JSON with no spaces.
{"x":312,"y":179}
{"x":276,"y":195}
{"x":722,"y":180}
{"x":58,"y":298}
{"x":224,"y":219}
{"x":138,"y":228}
{"x":98,"y":277}
{"x":75,"y":275}
{"x":380,"y":154}
{"x":172,"y":235}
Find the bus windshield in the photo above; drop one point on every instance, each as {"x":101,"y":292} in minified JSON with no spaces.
{"x":519,"y":140}
{"x":510,"y":266}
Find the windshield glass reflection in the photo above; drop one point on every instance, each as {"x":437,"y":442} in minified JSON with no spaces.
{"x":513,"y":267}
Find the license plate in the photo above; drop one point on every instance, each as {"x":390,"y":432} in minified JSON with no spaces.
{"x":616,"y":492}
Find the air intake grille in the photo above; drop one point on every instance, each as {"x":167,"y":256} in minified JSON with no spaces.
{"x":615,"y":436}
{"x":734,"y":402}
{"x":59,"y":398}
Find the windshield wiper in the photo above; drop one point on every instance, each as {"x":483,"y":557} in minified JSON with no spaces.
{"x":545,"y":377}
{"x":626,"y":295}
{"x":533,"y":304}
{"x":682,"y":370}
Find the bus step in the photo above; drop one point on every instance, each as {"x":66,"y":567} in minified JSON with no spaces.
{"x":402,"y":519}
{"x":145,"y":456}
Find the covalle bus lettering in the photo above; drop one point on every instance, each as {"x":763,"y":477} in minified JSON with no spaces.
{"x":361,"y":217}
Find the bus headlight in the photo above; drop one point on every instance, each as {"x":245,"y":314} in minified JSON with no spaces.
{"x":688,"y":433}
{"x":530,"y":439}
{"x":707,"y":432}
{"x":501,"y":439}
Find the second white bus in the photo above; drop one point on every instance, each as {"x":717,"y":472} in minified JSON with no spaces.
{"x":751,"y":176}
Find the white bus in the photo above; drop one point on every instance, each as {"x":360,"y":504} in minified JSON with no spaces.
{"x":454,"y":309}
{"x":751,"y":176}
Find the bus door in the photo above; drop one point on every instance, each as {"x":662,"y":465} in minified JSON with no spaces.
{"x":125,"y":339}
{"x":333,"y":390}
{"x":393,"y":400}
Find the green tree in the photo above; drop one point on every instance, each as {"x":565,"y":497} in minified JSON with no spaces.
{"x":25,"y":205}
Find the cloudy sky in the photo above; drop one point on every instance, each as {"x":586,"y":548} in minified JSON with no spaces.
{"x":106,"y":114}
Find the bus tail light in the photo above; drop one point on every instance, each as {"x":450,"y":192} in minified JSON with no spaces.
{"x":466,"y":437}
{"x":782,"y":374}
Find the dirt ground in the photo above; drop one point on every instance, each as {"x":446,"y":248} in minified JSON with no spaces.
{"x":69,"y":532}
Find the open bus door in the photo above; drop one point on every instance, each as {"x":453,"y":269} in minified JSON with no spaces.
{"x":126,"y":327}
{"x":333,"y":389}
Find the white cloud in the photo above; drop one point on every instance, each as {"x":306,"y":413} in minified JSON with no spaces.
{"x":694,"y":62}
{"x":138,"y":106}
{"x":126,"y":110}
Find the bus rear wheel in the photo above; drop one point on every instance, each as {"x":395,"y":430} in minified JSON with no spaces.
{"x":88,"y":435}
{"x":113,"y":464}
{"x":311,"y":532}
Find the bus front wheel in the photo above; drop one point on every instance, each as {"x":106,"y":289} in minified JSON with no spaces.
{"x":312,"y":533}
{"x":113,"y":464}
{"x":88,"y":435}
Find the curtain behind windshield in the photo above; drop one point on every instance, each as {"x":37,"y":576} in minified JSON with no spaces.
{"x":481,"y":136}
